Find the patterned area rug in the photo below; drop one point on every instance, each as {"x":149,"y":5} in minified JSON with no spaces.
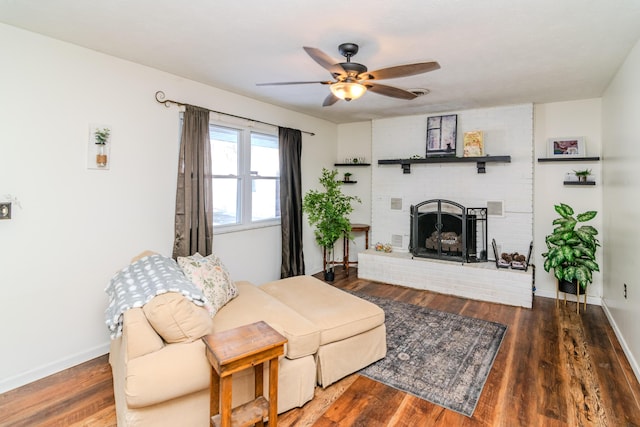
{"x":440,"y":357}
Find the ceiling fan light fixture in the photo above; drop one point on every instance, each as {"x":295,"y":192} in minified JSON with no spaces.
{"x":348,"y":90}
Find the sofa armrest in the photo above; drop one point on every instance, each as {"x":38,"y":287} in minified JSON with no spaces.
{"x":174,"y":371}
{"x":139,"y":336}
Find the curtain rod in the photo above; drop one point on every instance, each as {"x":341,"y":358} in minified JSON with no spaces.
{"x":160,"y":97}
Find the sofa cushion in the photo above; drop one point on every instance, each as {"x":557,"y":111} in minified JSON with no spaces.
{"x":176,"y":319}
{"x":211,"y":276}
{"x":252,"y":305}
{"x":338,"y":314}
{"x":140,"y":336}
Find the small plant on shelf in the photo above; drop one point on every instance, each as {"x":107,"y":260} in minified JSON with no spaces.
{"x":347,"y":176}
{"x":582,"y":174}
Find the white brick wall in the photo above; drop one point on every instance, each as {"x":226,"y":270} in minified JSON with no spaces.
{"x":507,"y":131}
{"x":479,"y":281}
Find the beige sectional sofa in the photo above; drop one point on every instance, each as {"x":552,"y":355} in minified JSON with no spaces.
{"x":161,"y":374}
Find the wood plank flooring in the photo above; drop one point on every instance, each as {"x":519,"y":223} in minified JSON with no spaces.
{"x":554,"y":368}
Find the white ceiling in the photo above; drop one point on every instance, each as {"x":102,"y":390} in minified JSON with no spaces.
{"x":492,"y":52}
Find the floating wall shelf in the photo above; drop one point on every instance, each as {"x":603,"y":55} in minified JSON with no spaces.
{"x":352,"y":164}
{"x":568,"y":159}
{"x":479,"y":161}
{"x":349,"y":182}
{"x":579,"y":183}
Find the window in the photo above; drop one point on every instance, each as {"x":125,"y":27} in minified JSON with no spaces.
{"x":246,"y":178}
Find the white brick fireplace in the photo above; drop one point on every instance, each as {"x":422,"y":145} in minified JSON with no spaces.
{"x":508,"y":131}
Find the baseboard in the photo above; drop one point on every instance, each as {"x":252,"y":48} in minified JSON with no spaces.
{"x":552,"y":294}
{"x":38,"y":373}
{"x":632,"y":361}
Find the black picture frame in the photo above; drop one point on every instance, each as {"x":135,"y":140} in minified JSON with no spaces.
{"x":441,"y":135}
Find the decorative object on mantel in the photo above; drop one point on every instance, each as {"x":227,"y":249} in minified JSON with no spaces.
{"x":473,"y":144}
{"x":441,"y":135}
{"x":386,"y":247}
{"x":572,"y":252}
{"x":329,"y":211}
{"x":99,"y":147}
{"x":566,"y":147}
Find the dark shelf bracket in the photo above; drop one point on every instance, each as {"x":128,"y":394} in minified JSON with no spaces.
{"x":406,"y":167}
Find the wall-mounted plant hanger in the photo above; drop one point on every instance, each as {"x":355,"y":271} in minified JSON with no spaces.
{"x":99,"y":147}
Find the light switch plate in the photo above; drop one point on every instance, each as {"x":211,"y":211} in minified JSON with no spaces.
{"x":5,"y":210}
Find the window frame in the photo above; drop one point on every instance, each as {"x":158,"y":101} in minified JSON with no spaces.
{"x":245,"y":179}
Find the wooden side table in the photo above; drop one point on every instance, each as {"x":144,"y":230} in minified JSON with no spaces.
{"x":355,"y":228}
{"x":233,"y":351}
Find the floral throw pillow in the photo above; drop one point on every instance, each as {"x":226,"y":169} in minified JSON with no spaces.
{"x":209,"y":274}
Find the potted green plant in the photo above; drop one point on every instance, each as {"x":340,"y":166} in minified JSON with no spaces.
{"x":328,"y":211}
{"x":582,"y":175}
{"x":572,"y":251}
{"x":101,"y":137}
{"x":347,"y":176}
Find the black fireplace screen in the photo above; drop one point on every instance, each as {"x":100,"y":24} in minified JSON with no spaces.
{"x":447,"y":230}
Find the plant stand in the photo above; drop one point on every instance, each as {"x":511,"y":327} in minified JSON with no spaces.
{"x":571,"y":288}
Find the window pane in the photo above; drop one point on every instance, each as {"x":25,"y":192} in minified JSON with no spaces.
{"x":265,"y":199}
{"x":225,"y":201}
{"x":224,"y":150}
{"x":264,"y":155}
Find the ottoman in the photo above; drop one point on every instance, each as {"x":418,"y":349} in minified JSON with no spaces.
{"x":352,"y":330}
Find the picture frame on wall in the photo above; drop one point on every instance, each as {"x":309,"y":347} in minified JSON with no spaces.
{"x":566,"y":147}
{"x":441,"y":135}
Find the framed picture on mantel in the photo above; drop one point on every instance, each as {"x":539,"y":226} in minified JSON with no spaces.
{"x":441,"y":136}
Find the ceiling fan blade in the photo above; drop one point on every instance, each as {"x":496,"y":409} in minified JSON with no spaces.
{"x":330,"y":100}
{"x":391,"y":91}
{"x":293,"y":83}
{"x":400,"y":71}
{"x":325,"y":61}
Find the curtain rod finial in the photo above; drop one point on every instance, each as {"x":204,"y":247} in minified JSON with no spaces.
{"x":161,"y":98}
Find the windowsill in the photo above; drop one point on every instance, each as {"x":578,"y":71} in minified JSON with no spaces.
{"x":238,"y":228}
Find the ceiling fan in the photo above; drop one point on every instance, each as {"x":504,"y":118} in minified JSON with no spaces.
{"x":352,"y":80}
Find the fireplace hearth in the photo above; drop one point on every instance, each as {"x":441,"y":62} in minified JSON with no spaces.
{"x":443,"y":229}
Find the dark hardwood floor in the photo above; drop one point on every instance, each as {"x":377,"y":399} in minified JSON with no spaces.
{"x":554,"y":368}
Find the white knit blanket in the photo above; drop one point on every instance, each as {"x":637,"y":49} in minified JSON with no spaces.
{"x":136,"y":284}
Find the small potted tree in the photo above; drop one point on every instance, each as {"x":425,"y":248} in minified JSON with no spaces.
{"x":329,"y":211}
{"x":572,"y":251}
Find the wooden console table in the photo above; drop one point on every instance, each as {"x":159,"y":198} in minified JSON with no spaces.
{"x":355,"y":228}
{"x":232,"y":351}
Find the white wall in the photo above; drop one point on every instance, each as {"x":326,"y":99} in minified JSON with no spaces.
{"x":76,"y":226}
{"x":561,"y":119}
{"x":507,"y":131}
{"x":621,"y":127}
{"x":354,"y":140}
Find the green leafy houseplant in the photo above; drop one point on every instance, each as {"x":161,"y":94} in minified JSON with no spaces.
{"x":582,"y":174}
{"x":328,"y":211}
{"x":572,"y":251}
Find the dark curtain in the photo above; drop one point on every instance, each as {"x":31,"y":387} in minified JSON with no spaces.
{"x":291,"y":202}
{"x":194,"y":200}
